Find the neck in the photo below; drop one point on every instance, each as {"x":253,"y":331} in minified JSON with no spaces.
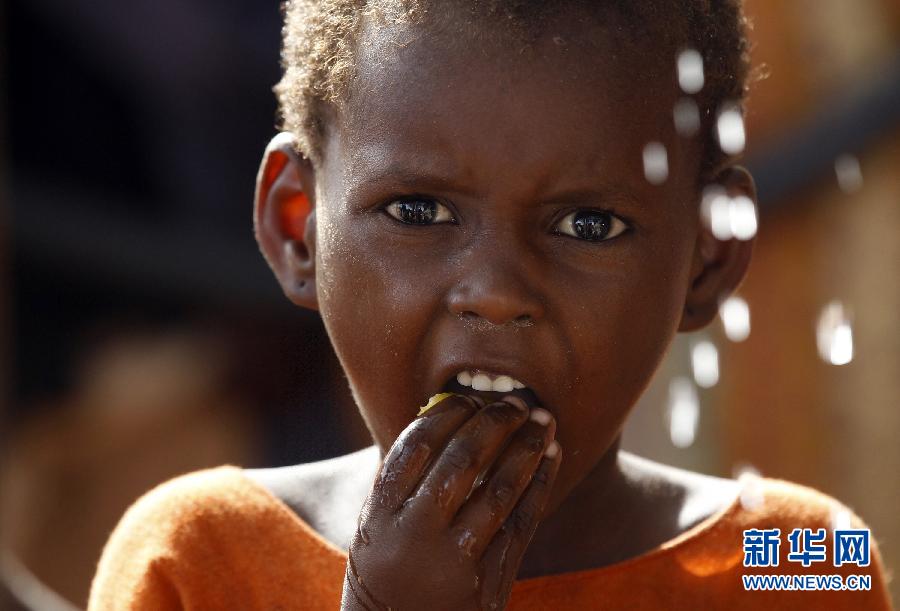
{"x":589,"y":528}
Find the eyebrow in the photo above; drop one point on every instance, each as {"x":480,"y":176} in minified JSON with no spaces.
{"x":405,"y":175}
{"x":606,"y":193}
{"x":410,"y":177}
{"x":429,"y":177}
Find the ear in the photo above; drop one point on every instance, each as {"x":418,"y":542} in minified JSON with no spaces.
{"x":284,"y":219}
{"x":718,"y":265}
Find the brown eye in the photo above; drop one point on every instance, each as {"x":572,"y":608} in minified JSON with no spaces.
{"x":591,"y":225}
{"x":419,"y":212}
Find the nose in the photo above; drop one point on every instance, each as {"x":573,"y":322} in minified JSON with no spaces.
{"x":495,"y":292}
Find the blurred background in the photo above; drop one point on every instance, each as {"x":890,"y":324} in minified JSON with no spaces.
{"x":142,"y":336}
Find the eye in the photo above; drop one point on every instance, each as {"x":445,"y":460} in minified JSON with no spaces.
{"x":419,"y":212}
{"x":591,"y":225}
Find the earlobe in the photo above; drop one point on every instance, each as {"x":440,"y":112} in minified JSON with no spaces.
{"x":718,"y":265}
{"x":284,"y":219}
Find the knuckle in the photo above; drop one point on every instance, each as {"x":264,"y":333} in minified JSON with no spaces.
{"x":404,"y":458}
{"x":465,"y":541}
{"x":523,"y":518}
{"x":499,"y":602}
{"x":465,"y":402}
{"x":402,"y":523}
{"x":385,"y":498}
{"x":406,"y":505}
{"x":412,"y":443}
{"x":418,"y":438}
{"x":533,"y":444}
{"x":458,"y":456}
{"x":502,"y":494}
{"x":412,"y":430}
{"x":445,"y":409}
{"x":505,"y":533}
{"x":541,"y":478}
{"x":500,"y":414}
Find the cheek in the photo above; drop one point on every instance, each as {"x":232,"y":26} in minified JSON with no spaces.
{"x":371,"y":295}
{"x":644,"y":318}
{"x":376,"y":308}
{"x":620,"y":337}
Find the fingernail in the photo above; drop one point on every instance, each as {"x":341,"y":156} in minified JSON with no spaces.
{"x":517,"y":402}
{"x":477,"y":400}
{"x":541,"y":416}
{"x":552,"y":449}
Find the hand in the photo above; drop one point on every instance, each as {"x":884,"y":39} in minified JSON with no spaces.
{"x":426,"y":539}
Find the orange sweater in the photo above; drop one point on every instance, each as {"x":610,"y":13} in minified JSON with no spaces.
{"x":217,"y":540}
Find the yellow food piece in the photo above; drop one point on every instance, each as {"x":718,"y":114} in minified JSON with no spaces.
{"x":434,"y":401}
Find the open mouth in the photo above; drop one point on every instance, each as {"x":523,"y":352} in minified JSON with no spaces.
{"x":491,"y":387}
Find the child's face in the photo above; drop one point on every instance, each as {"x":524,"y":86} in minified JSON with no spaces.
{"x":508,"y":145}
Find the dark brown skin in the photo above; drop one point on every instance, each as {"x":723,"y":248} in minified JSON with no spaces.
{"x":464,"y":551}
{"x":509,"y":146}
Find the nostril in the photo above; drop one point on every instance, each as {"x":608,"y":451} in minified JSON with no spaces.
{"x":498,"y":304}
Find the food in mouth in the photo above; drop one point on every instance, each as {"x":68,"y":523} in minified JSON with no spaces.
{"x":434,"y":400}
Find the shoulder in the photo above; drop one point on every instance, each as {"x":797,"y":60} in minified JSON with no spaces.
{"x":777,"y":502}
{"x":752,"y":500}
{"x":770,"y":504}
{"x":172,"y":509}
{"x":175,"y":526}
{"x":215,"y":539}
{"x":751,"y":539}
{"x":803,"y":519}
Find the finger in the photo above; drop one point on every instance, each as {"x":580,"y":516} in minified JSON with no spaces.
{"x":414,"y":448}
{"x":469,"y":452}
{"x":492,"y":502}
{"x":503,"y":555}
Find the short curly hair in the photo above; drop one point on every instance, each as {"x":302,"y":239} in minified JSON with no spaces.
{"x":320,"y":43}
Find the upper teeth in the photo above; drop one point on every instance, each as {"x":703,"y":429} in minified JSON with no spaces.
{"x":485,"y":381}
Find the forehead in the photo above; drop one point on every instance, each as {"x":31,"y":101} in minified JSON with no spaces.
{"x":583,"y":97}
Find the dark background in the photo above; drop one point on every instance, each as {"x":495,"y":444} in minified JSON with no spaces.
{"x":135,"y":131}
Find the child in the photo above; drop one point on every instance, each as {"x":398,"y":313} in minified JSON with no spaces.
{"x":460,"y":192}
